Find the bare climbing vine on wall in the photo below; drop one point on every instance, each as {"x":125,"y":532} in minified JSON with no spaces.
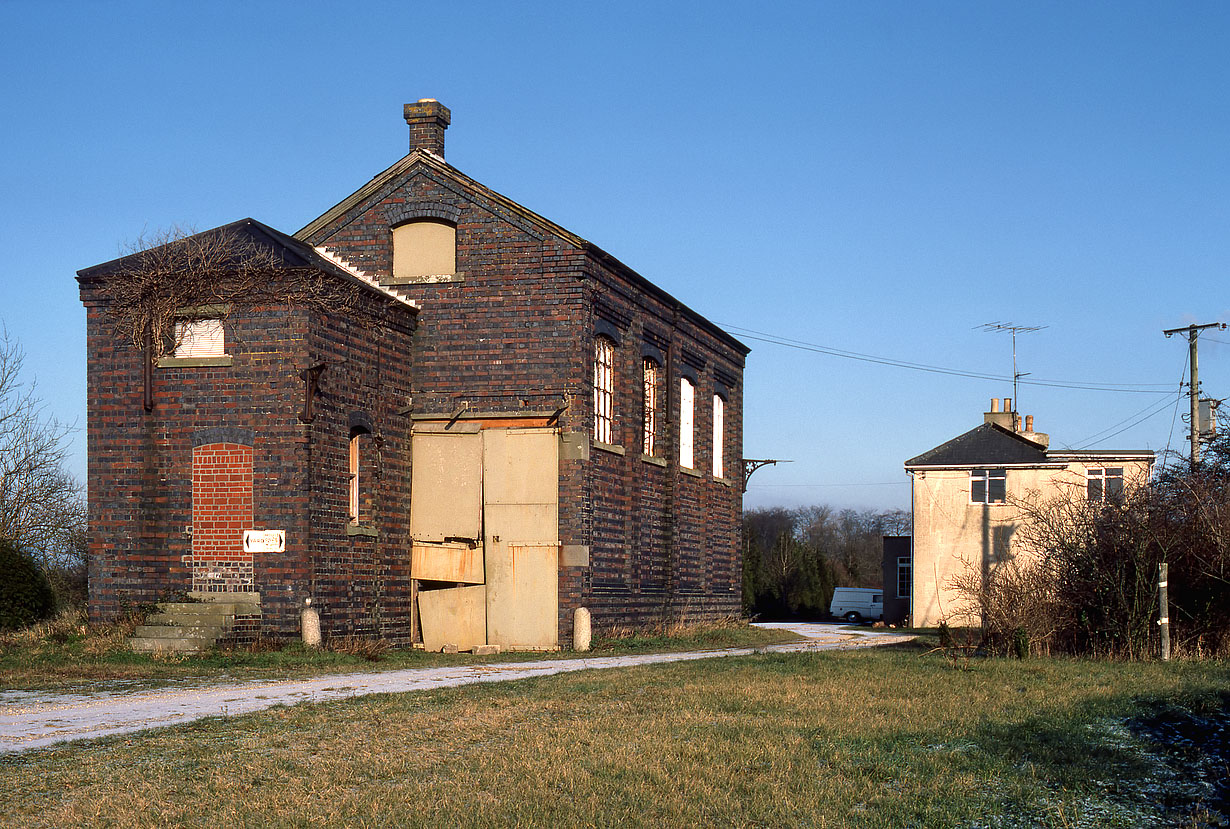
{"x":173,"y":274}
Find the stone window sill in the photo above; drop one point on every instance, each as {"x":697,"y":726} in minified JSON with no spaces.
{"x":655,"y":461}
{"x":428,"y":279}
{"x":691,"y":472}
{"x":362,"y":530}
{"x":196,"y":362}
{"x":613,"y":448}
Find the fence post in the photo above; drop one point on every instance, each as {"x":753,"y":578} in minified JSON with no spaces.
{"x":1163,"y":609}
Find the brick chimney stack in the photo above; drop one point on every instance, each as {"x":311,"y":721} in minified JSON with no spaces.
{"x":428,"y":119}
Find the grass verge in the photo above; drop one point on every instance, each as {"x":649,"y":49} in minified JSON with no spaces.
{"x":890,"y":737}
{"x":66,"y":652}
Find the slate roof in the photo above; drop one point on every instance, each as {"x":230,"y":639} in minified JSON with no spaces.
{"x":289,"y":251}
{"x":986,"y":445}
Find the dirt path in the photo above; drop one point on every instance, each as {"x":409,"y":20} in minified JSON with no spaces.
{"x":32,"y":719}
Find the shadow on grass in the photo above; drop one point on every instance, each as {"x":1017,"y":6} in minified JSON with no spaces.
{"x":1128,"y":755}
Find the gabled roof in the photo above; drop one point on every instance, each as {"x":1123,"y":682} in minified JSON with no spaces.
{"x":986,"y":445}
{"x":287,"y":250}
{"x":543,"y":225}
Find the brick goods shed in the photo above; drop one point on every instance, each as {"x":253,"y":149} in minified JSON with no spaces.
{"x":433,"y":413}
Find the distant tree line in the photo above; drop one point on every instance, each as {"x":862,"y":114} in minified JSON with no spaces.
{"x":793,"y":558}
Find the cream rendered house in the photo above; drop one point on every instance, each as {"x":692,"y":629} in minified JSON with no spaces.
{"x":963,"y":496}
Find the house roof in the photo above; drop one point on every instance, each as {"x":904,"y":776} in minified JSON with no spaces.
{"x":544,"y":225}
{"x":993,"y":445}
{"x":289,"y":252}
{"x":985,"y":445}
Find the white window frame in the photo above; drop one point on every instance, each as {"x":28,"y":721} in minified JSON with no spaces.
{"x":604,"y":389}
{"x":687,"y":423}
{"x":905,"y":576}
{"x":719,"y":435}
{"x":988,"y":481}
{"x":1099,"y":479}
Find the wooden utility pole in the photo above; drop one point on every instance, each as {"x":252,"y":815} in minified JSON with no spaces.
{"x":1163,"y":609}
{"x":1193,"y":331}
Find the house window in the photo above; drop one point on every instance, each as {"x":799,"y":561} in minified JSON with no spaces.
{"x":425,"y":247}
{"x":719,"y":408}
{"x":905,"y":576}
{"x":604,"y":388}
{"x":651,"y":374}
{"x":199,"y":338}
{"x":687,"y":423}
{"x":1104,"y":483}
{"x":988,"y":486}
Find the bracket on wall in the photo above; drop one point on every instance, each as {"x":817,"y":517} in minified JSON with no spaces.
{"x":555,"y":415}
{"x":457,"y":414}
{"x":311,"y":381}
{"x":750,"y":465}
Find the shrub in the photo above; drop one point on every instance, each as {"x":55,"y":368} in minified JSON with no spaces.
{"x":26,"y":596}
{"x":1085,"y":578}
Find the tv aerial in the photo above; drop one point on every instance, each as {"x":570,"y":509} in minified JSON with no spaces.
{"x":1014,"y":329}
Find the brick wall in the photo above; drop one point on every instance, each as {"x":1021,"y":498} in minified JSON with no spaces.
{"x":143,"y":541}
{"x":512,"y":332}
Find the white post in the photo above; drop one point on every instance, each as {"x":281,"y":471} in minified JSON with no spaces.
{"x":582,"y":634}
{"x":309,"y":624}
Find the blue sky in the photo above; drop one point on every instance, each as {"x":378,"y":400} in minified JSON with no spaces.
{"x":879,"y":178}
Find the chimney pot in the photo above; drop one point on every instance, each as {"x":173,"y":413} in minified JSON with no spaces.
{"x":994,"y":404}
{"x":1029,"y":423}
{"x":427,"y":119}
{"x":1007,"y":404}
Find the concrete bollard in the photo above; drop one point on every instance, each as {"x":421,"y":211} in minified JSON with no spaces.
{"x":309,"y":624}
{"x":582,"y":633}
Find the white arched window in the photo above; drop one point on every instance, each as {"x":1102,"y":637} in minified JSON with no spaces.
{"x":687,"y":423}
{"x":719,"y":408}
{"x":604,"y":389}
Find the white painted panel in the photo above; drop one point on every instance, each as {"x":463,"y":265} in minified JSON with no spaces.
{"x":448,"y":561}
{"x":521,"y":528}
{"x":454,"y":616}
{"x":446,"y":486}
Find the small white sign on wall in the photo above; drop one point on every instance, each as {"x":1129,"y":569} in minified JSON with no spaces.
{"x":264,"y":541}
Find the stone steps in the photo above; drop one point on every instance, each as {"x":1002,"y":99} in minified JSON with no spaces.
{"x":193,"y":626}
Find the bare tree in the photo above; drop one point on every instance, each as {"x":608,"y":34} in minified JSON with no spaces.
{"x":41,"y":510}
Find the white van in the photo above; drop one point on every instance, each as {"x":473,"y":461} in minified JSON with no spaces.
{"x":855,"y":604}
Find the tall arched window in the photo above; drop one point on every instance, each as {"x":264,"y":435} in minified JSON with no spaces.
{"x":356,"y":451}
{"x":650,"y":376}
{"x":604,"y":389}
{"x":719,"y":409}
{"x":687,"y":423}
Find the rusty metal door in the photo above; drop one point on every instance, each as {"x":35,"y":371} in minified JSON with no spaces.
{"x":521,"y":537}
{"x":446,"y":536}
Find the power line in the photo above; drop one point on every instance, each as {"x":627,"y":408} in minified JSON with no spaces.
{"x":1165,"y":403}
{"x":814,"y":486}
{"x":801,"y":345}
{"x":1174,"y":417}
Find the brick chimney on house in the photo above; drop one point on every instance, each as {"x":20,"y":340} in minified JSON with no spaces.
{"x":1006,"y":418}
{"x":428,"y":119}
{"x":1037,"y":437}
{"x":1009,"y":419}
